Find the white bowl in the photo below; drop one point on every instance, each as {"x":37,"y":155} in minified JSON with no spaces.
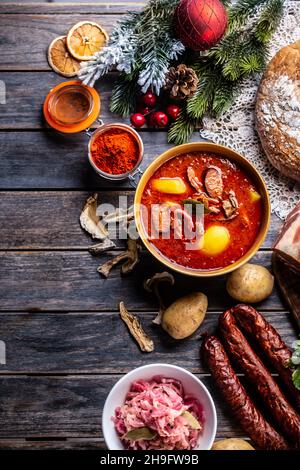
{"x":192,"y":386}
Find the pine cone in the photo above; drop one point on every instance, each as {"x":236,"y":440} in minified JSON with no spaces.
{"x":181,"y":82}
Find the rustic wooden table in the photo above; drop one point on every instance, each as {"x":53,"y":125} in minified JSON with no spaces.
{"x":66,"y":345}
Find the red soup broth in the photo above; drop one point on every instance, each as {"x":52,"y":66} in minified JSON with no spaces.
{"x":243,"y":228}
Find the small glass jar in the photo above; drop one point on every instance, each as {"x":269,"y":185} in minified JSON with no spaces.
{"x":71,"y":107}
{"x":135,"y":172}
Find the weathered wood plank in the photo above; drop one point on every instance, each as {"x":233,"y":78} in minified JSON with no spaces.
{"x":55,"y":7}
{"x":69,"y":281}
{"x":41,"y":219}
{"x":31,"y":219}
{"x":70,"y":406}
{"x":25,"y":94}
{"x":63,"y":444}
{"x":49,"y":160}
{"x":100,"y":343}
{"x":27,"y":37}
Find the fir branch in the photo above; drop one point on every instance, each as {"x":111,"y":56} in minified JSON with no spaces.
{"x":202,"y":100}
{"x":124,"y":95}
{"x":140,"y":41}
{"x":223,"y":97}
{"x":182,"y":129}
{"x":241,"y":11}
{"x":268,"y":21}
{"x":156,"y":46}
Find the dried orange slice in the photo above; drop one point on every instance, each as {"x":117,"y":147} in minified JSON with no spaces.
{"x":60,"y":58}
{"x":85,"y":39}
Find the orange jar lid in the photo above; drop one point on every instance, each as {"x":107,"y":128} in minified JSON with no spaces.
{"x":71,"y":107}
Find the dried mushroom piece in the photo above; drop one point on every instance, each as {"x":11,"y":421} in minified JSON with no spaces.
{"x":105,"y":245}
{"x":130,"y":257}
{"x":193,"y":179}
{"x":230,"y":206}
{"x":233,"y":199}
{"x":90,"y":221}
{"x":144,"y":341}
{"x":152,"y":285}
{"x":133,"y":256}
{"x":213,"y":182}
{"x":120,"y":215}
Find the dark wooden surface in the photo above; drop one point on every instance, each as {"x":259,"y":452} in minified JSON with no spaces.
{"x":66,"y":345}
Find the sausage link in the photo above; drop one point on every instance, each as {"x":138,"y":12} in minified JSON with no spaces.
{"x":241,"y":405}
{"x":271,"y":344}
{"x":241,"y":352}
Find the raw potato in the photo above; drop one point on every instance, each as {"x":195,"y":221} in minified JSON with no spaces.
{"x":185,"y":315}
{"x":250,"y":283}
{"x":232,"y":444}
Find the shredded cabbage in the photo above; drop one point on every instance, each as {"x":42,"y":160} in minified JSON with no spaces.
{"x":159,"y":405}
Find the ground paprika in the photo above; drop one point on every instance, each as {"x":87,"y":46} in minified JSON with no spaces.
{"x":115,"y":151}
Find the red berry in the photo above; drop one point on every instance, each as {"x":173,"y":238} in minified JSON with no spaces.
{"x":159,"y":119}
{"x":144,"y":111}
{"x":149,"y":99}
{"x":173,"y":111}
{"x":137,"y":120}
{"x":151,"y":121}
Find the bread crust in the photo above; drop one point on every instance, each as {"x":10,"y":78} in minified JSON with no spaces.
{"x":278,"y":111}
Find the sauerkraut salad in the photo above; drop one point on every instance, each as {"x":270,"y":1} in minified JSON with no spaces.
{"x":157,"y":414}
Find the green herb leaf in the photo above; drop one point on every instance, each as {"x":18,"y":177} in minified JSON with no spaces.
{"x":296,"y":378}
{"x":194,"y":202}
{"x":139,"y":434}
{"x":192,"y":421}
{"x":295,"y":359}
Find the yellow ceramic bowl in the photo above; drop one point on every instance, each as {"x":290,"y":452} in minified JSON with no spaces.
{"x":223,"y":152}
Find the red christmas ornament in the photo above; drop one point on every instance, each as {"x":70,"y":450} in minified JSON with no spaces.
{"x":137,"y":120}
{"x":200,"y":24}
{"x":149,"y":99}
{"x":158,"y":119}
{"x":173,"y":111}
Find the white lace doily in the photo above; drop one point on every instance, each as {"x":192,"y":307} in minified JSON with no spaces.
{"x":236,"y":129}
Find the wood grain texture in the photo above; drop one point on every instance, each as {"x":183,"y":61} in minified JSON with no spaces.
{"x":69,"y":281}
{"x":27,"y":36}
{"x":77,"y":330}
{"x":31,"y":219}
{"x":36,"y":406}
{"x":34,"y":160}
{"x":91,"y":443}
{"x":100,"y":342}
{"x":57,"y":7}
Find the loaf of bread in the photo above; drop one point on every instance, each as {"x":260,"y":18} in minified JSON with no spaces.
{"x":278,"y":111}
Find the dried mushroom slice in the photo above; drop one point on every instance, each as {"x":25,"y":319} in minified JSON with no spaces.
{"x":130,"y":257}
{"x":193,"y":179}
{"x":152,"y":285}
{"x":119,"y":216}
{"x":60,"y":59}
{"x":213,"y":182}
{"x":90,"y":221}
{"x":233,"y":199}
{"x":105,"y":245}
{"x":230,"y":206}
{"x":144,"y":341}
{"x":133,"y":256}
